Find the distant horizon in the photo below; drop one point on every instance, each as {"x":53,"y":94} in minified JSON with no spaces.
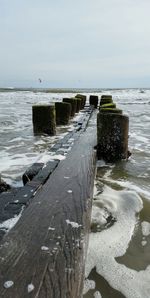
{"x":70,"y":88}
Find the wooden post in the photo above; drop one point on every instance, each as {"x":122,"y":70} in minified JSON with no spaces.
{"x":107,"y":96}
{"x":112,"y":135}
{"x":83,"y":97}
{"x":93,"y":100}
{"x":106,"y":99}
{"x":63,"y":112}
{"x":44,"y":254}
{"x":44,"y":119}
{"x":73,"y":103}
{"x":79,"y":104}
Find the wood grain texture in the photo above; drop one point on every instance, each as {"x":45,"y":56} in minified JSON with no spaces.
{"x":59,"y":270}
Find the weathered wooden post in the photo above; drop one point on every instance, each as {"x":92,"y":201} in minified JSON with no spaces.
{"x":44,"y":119}
{"x":63,"y":112}
{"x":112,"y":135}
{"x":106,"y":99}
{"x":93,"y":100}
{"x":73,"y":103}
{"x":83,"y":98}
{"x":79,"y":104}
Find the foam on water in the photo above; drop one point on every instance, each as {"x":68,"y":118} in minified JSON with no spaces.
{"x":145,"y":228}
{"x":19,"y":148}
{"x":112,"y":242}
{"x":10,"y":223}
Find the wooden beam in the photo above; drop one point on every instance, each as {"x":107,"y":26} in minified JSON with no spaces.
{"x":47,"y":247}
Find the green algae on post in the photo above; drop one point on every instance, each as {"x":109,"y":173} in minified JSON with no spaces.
{"x":107,"y":96}
{"x":105,"y":101}
{"x":44,"y":119}
{"x":110,"y":110}
{"x":108,"y":105}
{"x":63,"y":113}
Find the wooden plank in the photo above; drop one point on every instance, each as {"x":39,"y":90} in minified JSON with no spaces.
{"x":47,"y":247}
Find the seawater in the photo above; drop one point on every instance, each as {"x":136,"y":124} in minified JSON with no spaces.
{"x":118,"y":258}
{"x":19,"y":148}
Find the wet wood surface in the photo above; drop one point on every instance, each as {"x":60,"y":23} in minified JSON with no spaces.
{"x":47,"y":247}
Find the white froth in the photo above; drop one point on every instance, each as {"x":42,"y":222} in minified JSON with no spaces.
{"x":45,"y":248}
{"x":73,"y":224}
{"x":126,"y":184}
{"x":10,"y":223}
{"x":48,"y":157}
{"x":145,"y":228}
{"x":30,"y":288}
{"x":113,"y":242}
{"x":88,"y":285}
{"x":98,"y":216}
{"x":144,"y":242}
{"x":8,"y":284}
{"x":51,"y":229}
{"x":97,"y":294}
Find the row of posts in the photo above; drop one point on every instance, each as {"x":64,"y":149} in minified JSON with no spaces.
{"x":112,"y":125}
{"x":46,"y":117}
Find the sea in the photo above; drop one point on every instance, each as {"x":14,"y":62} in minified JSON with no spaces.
{"x":118,"y":256}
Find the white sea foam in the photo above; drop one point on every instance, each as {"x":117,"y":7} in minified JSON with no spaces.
{"x":73,"y":224}
{"x":44,"y":248}
{"x":108,"y":244}
{"x":30,"y":288}
{"x":97,"y":294}
{"x":8,"y":284}
{"x":145,"y":228}
{"x":49,"y":157}
{"x":127,"y":185}
{"x":88,"y":285}
{"x":144,"y":242}
{"x":10,"y":223}
{"x":98,"y":215}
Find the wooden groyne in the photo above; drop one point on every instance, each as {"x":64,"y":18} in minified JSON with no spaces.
{"x":44,"y":254}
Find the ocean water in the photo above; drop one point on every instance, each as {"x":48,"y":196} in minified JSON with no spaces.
{"x":118,"y":258}
{"x":19,"y":148}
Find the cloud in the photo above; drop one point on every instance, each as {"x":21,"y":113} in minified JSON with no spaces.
{"x":94,"y":42}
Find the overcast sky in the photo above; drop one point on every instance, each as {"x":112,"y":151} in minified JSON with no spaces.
{"x":75,"y":43}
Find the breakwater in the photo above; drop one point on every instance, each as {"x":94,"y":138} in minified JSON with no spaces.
{"x":131,"y":175}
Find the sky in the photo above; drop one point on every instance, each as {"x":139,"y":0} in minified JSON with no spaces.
{"x":75,"y":43}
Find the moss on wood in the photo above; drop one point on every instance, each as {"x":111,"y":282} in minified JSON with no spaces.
{"x":106,"y":96}
{"x":110,"y":110}
{"x":108,"y":105}
{"x":105,"y":101}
